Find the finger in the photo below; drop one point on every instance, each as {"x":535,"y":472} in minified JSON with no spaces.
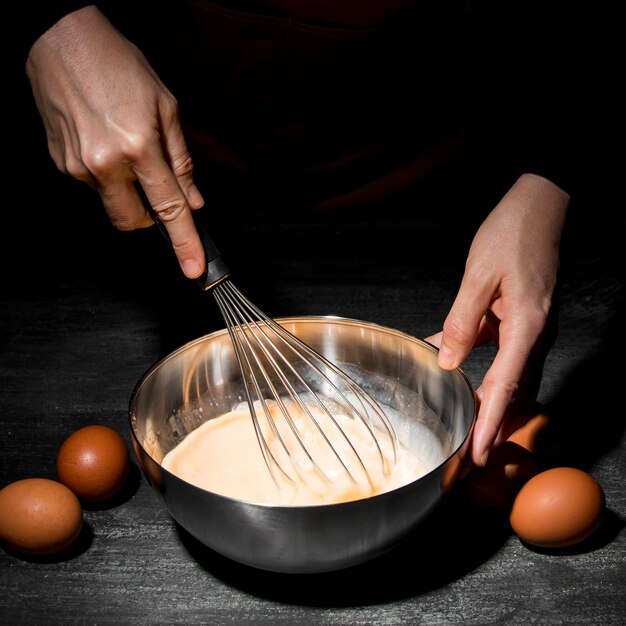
{"x":170,"y":204}
{"x":500,"y":388}
{"x":124,"y":205}
{"x":487,"y":331}
{"x":178,"y":157}
{"x":463,"y":323}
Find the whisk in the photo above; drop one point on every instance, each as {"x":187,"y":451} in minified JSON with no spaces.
{"x":295,"y":395}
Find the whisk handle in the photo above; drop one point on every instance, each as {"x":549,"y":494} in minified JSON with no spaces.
{"x":216,"y":268}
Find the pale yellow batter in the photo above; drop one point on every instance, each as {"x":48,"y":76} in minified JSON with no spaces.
{"x":223,"y":456}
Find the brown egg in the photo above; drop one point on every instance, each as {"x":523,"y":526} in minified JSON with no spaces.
{"x":93,"y":462}
{"x":496,"y":484}
{"x":538,"y":435}
{"x":39,"y":516}
{"x":557,"y":508}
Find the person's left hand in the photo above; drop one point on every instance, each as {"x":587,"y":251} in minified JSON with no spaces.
{"x":508,"y":295}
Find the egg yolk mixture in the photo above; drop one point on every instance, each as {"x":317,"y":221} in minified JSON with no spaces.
{"x":224,"y":456}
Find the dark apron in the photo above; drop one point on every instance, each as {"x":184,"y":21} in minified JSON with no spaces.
{"x":317,"y":107}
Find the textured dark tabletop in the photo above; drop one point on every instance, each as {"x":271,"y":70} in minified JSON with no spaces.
{"x":83,"y":320}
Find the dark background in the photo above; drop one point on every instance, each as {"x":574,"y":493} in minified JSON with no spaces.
{"x":85,"y":310}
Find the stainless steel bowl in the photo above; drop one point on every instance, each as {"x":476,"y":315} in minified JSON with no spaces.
{"x":201,"y":380}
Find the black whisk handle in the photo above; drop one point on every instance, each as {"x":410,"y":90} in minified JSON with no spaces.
{"x":216,"y":268}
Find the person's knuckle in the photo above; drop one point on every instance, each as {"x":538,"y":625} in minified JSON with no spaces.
{"x":59,"y":157}
{"x":182,"y":165}
{"x":104,"y":157}
{"x":135,"y":145}
{"x":120,"y":212}
{"x":76,"y":169}
{"x":122,"y":222}
{"x":100,"y":159}
{"x":68,"y":163}
{"x":169,"y":104}
{"x":169,"y":209}
{"x":456,"y":331}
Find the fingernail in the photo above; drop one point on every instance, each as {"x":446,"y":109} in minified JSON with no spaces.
{"x":191,"y":268}
{"x":447,"y":358}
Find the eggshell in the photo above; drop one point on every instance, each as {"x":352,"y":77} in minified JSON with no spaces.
{"x":39,"y":516}
{"x":93,"y":462}
{"x":538,"y":435}
{"x":557,"y":508}
{"x":496,"y":484}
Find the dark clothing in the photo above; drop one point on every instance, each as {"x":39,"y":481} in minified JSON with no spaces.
{"x":355,"y":108}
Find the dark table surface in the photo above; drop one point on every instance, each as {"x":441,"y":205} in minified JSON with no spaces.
{"x":78,"y":331}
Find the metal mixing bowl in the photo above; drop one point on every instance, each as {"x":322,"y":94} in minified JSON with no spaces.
{"x":435,"y":410}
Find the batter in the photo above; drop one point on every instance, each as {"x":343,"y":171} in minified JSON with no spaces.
{"x":223,"y":456}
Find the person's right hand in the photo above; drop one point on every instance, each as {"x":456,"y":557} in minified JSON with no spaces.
{"x":111,"y":122}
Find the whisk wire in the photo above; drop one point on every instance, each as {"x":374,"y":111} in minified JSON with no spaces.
{"x":245,"y":365}
{"x":245,"y":320}
{"x":295,"y":344}
{"x":237,"y":331}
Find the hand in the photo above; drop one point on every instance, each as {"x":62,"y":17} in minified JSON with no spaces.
{"x":508,"y":295}
{"x":111,"y":122}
